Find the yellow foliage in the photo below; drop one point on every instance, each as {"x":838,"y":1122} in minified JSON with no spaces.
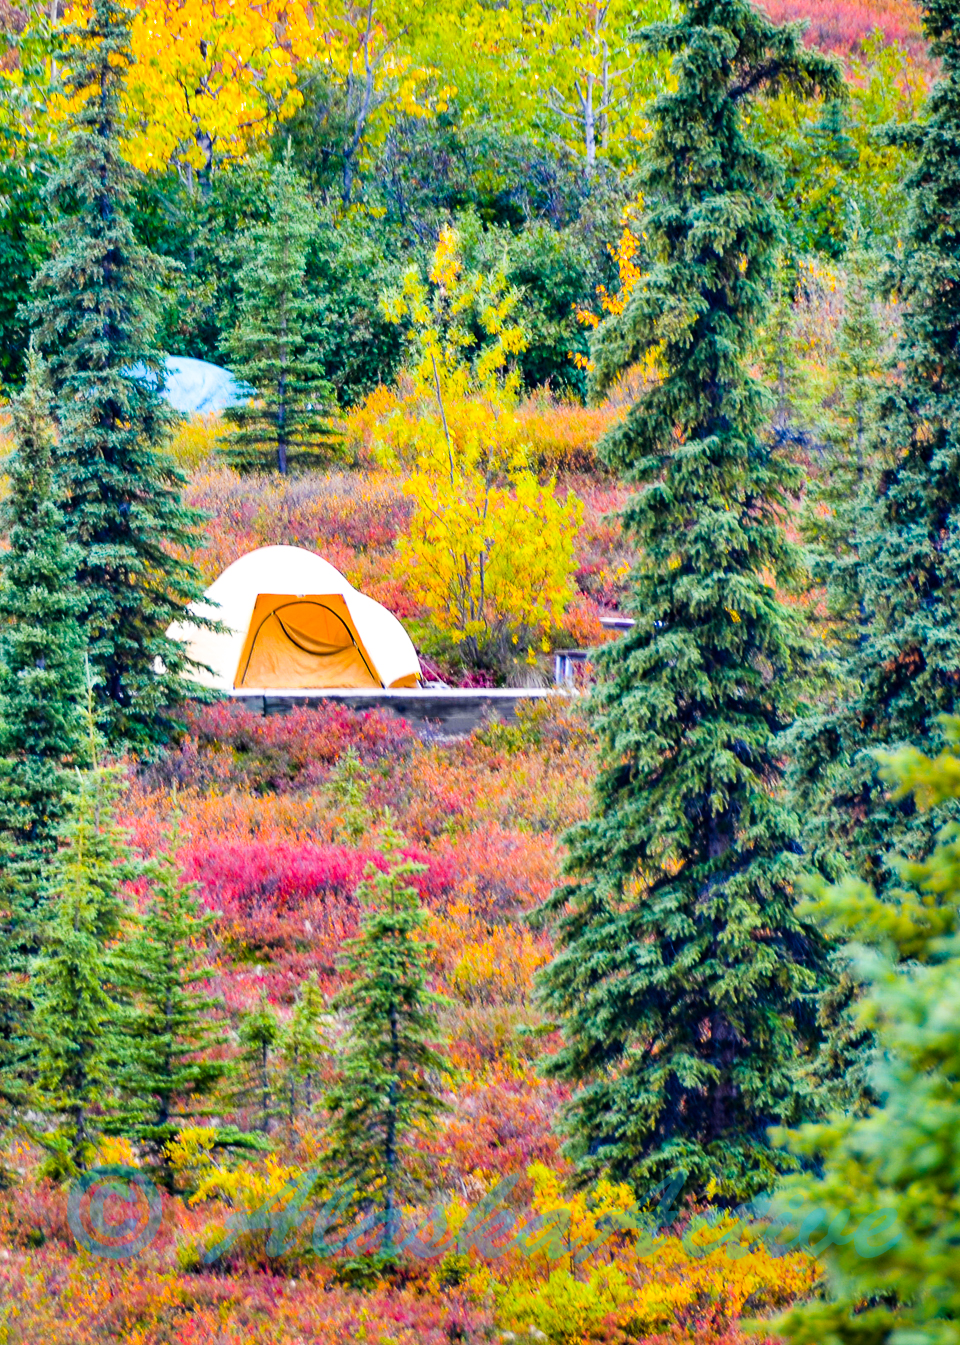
{"x":492,"y":563}
{"x":208,"y":76}
{"x":403,"y":428}
{"x":349,"y":38}
{"x":565,"y":1309}
{"x":190,"y":1153}
{"x":490,"y":548}
{"x":573,"y":1277}
{"x":624,"y":253}
{"x":115,"y":1151}
{"x":211,"y":78}
{"x":441,"y":340}
{"x":247,"y":1187}
{"x":484,"y":963}
{"x":571,"y":1224}
{"x":194,"y":444}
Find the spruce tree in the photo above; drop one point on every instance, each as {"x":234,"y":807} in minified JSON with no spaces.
{"x":888,"y":1184}
{"x":303,"y":1048}
{"x":95,"y":318}
{"x":167,"y":1072}
{"x":41,"y":671}
{"x":847,"y":469}
{"x":822,"y":164}
{"x":76,"y":982}
{"x":831,"y":525}
{"x":904,"y":668}
{"x":272,"y":349}
{"x":388,"y":1088}
{"x":683,"y":977}
{"x":259,"y":1033}
{"x":347,"y":791}
{"x":781,"y":364}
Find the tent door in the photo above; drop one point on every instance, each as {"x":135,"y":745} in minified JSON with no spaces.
{"x":304,"y":643}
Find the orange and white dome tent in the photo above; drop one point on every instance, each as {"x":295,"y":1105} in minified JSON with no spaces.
{"x":293,"y":623}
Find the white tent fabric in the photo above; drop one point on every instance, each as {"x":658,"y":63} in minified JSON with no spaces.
{"x":293,"y":570}
{"x":197,"y":387}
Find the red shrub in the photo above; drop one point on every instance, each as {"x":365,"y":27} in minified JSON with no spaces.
{"x":241,"y":878}
{"x":502,"y":872}
{"x":63,"y":1300}
{"x":34,"y":1213}
{"x":231,"y":746}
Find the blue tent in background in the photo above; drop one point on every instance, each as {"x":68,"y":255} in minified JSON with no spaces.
{"x":196,"y":387}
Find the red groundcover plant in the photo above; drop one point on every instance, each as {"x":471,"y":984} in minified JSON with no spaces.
{"x":240,"y":878}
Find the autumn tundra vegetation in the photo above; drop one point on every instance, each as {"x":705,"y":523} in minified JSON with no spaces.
{"x":628,"y":329}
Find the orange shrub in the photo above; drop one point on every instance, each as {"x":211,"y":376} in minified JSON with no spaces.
{"x":562,"y":436}
{"x":484,"y":963}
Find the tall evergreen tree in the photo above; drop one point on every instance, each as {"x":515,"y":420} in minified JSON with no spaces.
{"x":386,"y":1091}
{"x":831,"y":515}
{"x":904,"y":668}
{"x":76,"y":980}
{"x":168,"y":1034}
{"x":831,"y":525}
{"x":683,"y":975}
{"x":891,"y":1180}
{"x":41,"y":669}
{"x":41,"y":729}
{"x":95,"y":318}
{"x":272,"y":350}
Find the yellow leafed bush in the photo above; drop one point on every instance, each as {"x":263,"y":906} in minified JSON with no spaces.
{"x":490,"y":548}
{"x":194,"y":444}
{"x":632,"y":1285}
{"x":249,"y":1186}
{"x":484,"y":963}
{"x":566,"y":1310}
{"x":493,"y":563}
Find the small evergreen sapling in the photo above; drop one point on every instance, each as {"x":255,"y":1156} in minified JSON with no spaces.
{"x":781,"y":364}
{"x":95,"y":319}
{"x":388,"y":1086}
{"x":347,"y":790}
{"x":41,"y":671}
{"x":272,"y":349}
{"x":167,"y":1073}
{"x":259,"y":1033}
{"x":304,"y":1048}
{"x":76,"y":983}
{"x":683,"y":977}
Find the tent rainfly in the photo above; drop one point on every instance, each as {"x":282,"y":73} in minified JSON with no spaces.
{"x":293,"y":623}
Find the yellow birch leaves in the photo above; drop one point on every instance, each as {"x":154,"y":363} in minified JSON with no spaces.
{"x":490,"y":548}
{"x":209,"y":75}
{"x":210,"y":78}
